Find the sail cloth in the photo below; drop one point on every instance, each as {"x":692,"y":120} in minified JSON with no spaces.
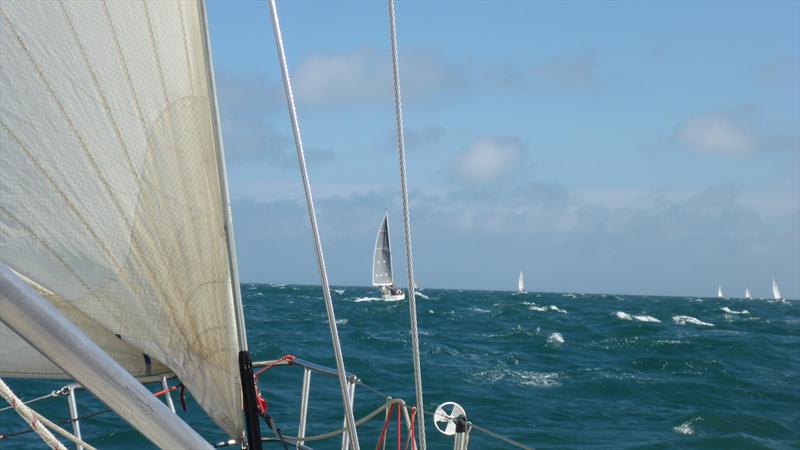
{"x":110,"y":186}
{"x":382,"y":259}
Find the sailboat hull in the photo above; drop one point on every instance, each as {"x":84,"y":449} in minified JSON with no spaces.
{"x":394,"y":298}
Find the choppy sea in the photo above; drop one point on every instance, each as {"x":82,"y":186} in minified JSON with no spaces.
{"x":551,"y":370}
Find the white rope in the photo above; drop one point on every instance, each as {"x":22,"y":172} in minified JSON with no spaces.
{"x":312,"y":216}
{"x":412,"y":300}
{"x":30,"y":417}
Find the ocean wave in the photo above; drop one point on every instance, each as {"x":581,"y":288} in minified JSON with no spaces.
{"x":570,"y":295}
{"x":520,"y":377}
{"x":421,"y":295}
{"x":339,"y":291}
{"x":478,"y":310}
{"x":554,"y":308}
{"x":341,"y":322}
{"x":625,"y":316}
{"x":683,"y":320}
{"x":555,"y":339}
{"x":725,"y":309}
{"x":368,"y":299}
{"x":687,"y":428}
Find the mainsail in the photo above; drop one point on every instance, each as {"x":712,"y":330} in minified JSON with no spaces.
{"x":382,"y":259}
{"x":747,"y":293}
{"x":776,"y":292}
{"x":111,"y":202}
{"x":719,"y":292}
{"x":521,"y":282}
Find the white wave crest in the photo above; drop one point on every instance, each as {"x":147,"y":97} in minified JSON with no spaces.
{"x":479,"y":310}
{"x":339,"y":291}
{"x":555,"y":339}
{"x":554,"y":308}
{"x":725,"y":309}
{"x":642,"y":318}
{"x":368,"y":299}
{"x":421,"y":295}
{"x":341,"y":322}
{"x":687,"y":428}
{"x":683,"y":320}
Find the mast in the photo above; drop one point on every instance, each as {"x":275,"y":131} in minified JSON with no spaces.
{"x":245,"y":363}
{"x":49,"y":332}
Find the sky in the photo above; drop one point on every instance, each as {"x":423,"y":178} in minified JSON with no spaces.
{"x":604,"y":147}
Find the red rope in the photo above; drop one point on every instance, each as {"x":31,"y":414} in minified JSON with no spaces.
{"x":413,"y":441}
{"x":399,"y":446}
{"x":288,"y":358}
{"x":169,"y":389}
{"x":385,"y":424}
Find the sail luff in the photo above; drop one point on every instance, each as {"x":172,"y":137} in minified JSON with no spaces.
{"x":241,"y":332}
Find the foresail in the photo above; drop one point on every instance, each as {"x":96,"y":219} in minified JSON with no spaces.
{"x":110,"y":188}
{"x":382,"y":258}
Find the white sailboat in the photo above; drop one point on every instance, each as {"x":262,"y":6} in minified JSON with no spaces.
{"x":720,"y":294}
{"x":382,"y":277}
{"x":776,"y":291}
{"x":747,"y":294}
{"x":521,"y":283}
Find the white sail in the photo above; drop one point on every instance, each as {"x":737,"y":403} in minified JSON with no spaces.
{"x":719,"y":292}
{"x":521,"y":282}
{"x":776,"y":292}
{"x":382,"y":257}
{"x":111,"y":197}
{"x":747,"y":293}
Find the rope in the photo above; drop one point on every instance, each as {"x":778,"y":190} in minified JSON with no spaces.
{"x":385,"y":425}
{"x":58,"y":393}
{"x":412,"y":301}
{"x":399,"y":430}
{"x":30,"y":417}
{"x":411,"y":431}
{"x":288,"y":358}
{"x":312,"y":216}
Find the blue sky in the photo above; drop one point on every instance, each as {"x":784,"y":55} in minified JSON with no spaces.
{"x":624,"y":147}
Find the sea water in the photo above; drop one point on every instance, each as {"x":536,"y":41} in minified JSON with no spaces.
{"x":550,"y":370}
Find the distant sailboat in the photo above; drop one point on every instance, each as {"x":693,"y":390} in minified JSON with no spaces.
{"x":521,"y":283}
{"x":776,"y":291}
{"x":382,"y":264}
{"x":747,"y":294}
{"x":719,"y":292}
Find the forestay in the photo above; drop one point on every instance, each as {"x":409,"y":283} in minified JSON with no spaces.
{"x":382,"y":259}
{"x":111,"y":199}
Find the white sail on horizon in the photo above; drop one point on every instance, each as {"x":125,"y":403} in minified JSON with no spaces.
{"x":747,"y":293}
{"x":719,"y":292}
{"x":521,"y":282}
{"x":776,"y":292}
{"x":111,"y":200}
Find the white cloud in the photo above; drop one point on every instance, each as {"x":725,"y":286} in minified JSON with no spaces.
{"x":362,"y":76}
{"x":487,"y":158}
{"x":720,"y":133}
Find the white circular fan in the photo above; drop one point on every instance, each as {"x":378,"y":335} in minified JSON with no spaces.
{"x":447,"y":413}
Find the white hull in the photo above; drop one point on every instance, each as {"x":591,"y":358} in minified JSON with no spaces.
{"x":394,"y":298}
